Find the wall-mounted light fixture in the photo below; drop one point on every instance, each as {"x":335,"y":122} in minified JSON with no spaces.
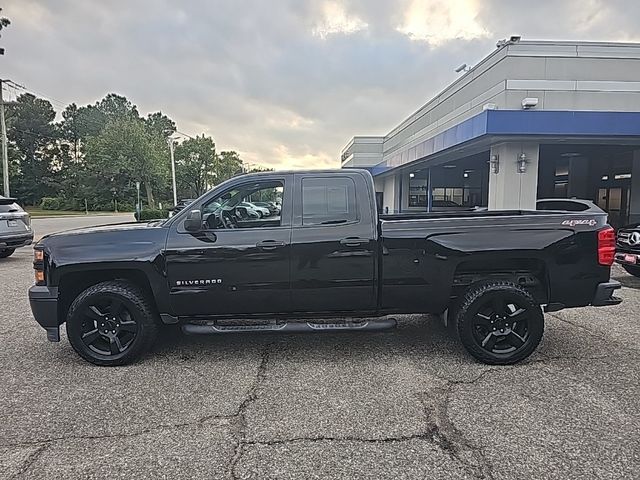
{"x":494,"y":162}
{"x":411,"y":175}
{"x":522,"y":162}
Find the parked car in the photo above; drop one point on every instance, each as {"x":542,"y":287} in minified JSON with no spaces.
{"x":179,"y":206}
{"x":488,"y":274}
{"x":628,"y":249}
{"x":15,"y":227}
{"x":260,"y":211}
{"x":272,"y":207}
{"x":567,"y":205}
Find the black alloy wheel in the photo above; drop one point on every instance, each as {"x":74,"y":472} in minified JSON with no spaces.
{"x":499,"y":322}
{"x":108,"y":327}
{"x":111,"y":323}
{"x":501,"y":325}
{"x":6,"y":252}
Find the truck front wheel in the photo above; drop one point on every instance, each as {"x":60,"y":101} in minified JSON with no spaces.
{"x":499,"y":323}
{"x":111,"y":323}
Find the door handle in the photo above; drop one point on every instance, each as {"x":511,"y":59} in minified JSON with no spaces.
{"x":353,"y":241}
{"x":270,"y":244}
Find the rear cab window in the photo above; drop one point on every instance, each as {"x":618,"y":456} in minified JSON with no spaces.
{"x":328,"y":201}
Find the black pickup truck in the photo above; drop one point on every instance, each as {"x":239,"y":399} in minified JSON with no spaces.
{"x":326,"y":254}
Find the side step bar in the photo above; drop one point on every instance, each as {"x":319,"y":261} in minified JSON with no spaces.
{"x":291,"y":327}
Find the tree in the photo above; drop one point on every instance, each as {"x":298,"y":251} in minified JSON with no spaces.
{"x":195,"y":166}
{"x":116,"y":107}
{"x":30,"y":128}
{"x":160,"y":124}
{"x":229,"y":165}
{"x":125,"y":152}
{"x":4,"y":22}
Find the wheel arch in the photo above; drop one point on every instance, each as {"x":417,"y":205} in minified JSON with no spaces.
{"x":72,"y":284}
{"x":529,"y":273}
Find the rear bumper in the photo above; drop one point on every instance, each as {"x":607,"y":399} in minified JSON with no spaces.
{"x":604,"y":294}
{"x":16,"y":241}
{"x":44,"y":305}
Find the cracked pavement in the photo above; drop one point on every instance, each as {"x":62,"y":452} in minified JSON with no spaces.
{"x":406,"y":403}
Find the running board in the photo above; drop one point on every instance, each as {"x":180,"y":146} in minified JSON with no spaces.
{"x":291,"y":327}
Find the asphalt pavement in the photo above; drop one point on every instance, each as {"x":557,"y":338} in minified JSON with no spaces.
{"x":405,"y":403}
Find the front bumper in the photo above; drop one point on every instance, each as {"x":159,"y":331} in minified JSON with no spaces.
{"x":604,"y":294}
{"x":628,"y":258}
{"x":16,"y":241}
{"x":44,"y":305}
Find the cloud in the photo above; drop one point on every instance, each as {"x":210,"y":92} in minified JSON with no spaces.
{"x":437,"y":22}
{"x":336,"y":20}
{"x":286,"y":82}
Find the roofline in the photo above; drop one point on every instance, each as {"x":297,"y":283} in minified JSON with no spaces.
{"x":484,"y":61}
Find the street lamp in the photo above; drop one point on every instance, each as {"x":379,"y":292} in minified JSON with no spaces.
{"x":171,"y":143}
{"x":138,"y":207}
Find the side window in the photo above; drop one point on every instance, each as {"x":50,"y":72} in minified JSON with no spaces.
{"x":328,"y":201}
{"x":251,"y":205}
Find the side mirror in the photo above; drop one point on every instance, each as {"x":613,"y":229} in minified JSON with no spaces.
{"x":193,"y":222}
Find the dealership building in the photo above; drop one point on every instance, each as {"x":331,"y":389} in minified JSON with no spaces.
{"x":532,"y":120}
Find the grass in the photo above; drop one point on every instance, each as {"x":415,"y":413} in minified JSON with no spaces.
{"x":36,"y":212}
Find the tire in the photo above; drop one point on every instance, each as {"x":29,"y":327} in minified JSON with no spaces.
{"x":499,"y":323}
{"x":635,"y":271}
{"x":260,"y":214}
{"x":6,"y":252}
{"x":124,"y":312}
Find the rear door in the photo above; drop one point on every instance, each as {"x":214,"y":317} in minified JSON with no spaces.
{"x":333,"y":244}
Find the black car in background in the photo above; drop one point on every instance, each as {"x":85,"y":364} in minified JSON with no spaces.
{"x":628,"y":249}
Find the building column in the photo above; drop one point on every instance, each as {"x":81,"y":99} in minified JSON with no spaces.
{"x":509,"y":188}
{"x":406,"y":184}
{"x":579,"y":178}
{"x":391,"y":194}
{"x":634,"y":204}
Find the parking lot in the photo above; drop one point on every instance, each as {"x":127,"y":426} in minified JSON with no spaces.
{"x":406,"y":403}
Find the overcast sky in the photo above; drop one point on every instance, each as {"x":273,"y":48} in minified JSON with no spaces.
{"x":285,"y":82}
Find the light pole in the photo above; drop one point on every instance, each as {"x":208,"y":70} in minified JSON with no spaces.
{"x":173,"y":170}
{"x":138,"y":209}
{"x":5,"y":156}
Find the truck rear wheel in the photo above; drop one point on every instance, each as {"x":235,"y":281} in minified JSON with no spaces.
{"x":499,"y":323}
{"x":6,"y":252}
{"x":635,"y":271}
{"x":111,"y":323}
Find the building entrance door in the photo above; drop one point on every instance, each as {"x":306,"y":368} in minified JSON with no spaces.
{"x":615,"y":202}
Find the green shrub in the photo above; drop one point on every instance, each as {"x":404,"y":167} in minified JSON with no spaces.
{"x":50,"y":203}
{"x":149,"y":214}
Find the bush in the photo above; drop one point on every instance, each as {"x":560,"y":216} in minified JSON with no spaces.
{"x":146,"y":215}
{"x":50,"y":203}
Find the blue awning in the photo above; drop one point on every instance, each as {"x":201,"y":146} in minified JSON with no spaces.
{"x":519,"y":123}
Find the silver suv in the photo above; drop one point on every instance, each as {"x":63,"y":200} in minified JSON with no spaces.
{"x":15,"y":227}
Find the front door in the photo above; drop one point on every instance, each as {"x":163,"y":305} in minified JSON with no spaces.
{"x":239,"y":262}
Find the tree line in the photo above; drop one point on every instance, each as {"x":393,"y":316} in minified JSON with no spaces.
{"x":97,"y":153}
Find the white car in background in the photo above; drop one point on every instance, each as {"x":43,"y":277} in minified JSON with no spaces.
{"x":260,"y":211}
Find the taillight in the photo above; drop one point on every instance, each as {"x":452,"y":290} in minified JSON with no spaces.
{"x":38,"y":266}
{"x":606,"y":246}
